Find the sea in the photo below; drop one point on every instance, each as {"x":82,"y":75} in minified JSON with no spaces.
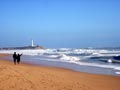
{"x":89,"y":60}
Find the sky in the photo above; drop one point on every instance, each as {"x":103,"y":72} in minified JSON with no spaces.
{"x":60,"y":23}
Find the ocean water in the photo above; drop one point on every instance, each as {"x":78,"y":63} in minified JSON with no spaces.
{"x":97,"y":61}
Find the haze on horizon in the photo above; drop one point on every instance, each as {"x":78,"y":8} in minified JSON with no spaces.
{"x":60,"y":23}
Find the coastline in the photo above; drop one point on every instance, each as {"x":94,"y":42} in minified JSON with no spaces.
{"x":32,"y":77}
{"x":82,"y":60}
{"x":37,"y":61}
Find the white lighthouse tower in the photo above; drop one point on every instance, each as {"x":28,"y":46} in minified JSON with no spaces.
{"x":32,"y":44}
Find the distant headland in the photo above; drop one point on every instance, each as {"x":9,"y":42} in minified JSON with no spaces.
{"x":32,"y":46}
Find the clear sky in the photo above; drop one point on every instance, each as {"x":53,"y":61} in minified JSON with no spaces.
{"x":60,"y":23}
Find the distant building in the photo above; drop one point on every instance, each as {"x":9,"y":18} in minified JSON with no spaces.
{"x":32,"y":43}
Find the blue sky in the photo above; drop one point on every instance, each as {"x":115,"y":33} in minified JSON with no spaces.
{"x":60,"y":23}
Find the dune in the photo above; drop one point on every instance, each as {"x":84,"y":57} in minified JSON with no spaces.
{"x":31,"y":77}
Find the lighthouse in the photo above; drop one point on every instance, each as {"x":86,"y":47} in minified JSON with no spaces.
{"x":32,"y":44}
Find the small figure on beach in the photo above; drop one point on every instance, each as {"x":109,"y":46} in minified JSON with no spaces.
{"x":18,"y":58}
{"x":14,"y":58}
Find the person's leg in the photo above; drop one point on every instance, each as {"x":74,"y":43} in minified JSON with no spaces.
{"x":14,"y":61}
{"x":18,"y":61}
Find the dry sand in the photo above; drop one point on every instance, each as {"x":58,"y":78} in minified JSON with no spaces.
{"x":30,"y":77}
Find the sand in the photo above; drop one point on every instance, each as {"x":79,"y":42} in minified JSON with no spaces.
{"x":31,"y":77}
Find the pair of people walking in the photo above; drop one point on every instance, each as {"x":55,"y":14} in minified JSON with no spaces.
{"x":16,"y":58}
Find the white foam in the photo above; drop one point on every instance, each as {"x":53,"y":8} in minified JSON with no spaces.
{"x":109,"y":60}
{"x":117,"y":68}
{"x":117,"y":72}
{"x":53,"y":55}
{"x":71,"y":58}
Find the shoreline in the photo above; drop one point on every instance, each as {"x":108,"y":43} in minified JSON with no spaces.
{"x":32,"y":77}
{"x":64,"y":65}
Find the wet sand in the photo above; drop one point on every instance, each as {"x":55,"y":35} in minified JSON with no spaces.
{"x":31,"y":77}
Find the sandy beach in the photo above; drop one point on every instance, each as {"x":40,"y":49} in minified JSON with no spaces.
{"x":31,"y":77}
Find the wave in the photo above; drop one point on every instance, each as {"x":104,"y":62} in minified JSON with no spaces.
{"x":70,"y":55}
{"x":67,"y":53}
{"x":69,"y":58}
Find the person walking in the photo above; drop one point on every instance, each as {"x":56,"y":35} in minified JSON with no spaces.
{"x":18,"y":58}
{"x":14,"y":58}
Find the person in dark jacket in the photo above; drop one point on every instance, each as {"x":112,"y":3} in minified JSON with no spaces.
{"x":14,"y":58}
{"x":18,"y":58}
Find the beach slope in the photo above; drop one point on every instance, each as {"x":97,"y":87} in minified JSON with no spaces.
{"x":30,"y":77}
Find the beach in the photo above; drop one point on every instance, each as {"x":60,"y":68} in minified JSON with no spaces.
{"x":32,"y":77}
